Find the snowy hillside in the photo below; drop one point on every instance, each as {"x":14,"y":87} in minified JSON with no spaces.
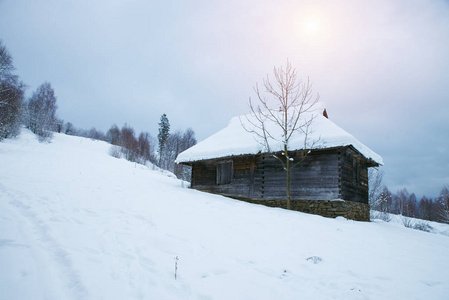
{"x":76,"y":223}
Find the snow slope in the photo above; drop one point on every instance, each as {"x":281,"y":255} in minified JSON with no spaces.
{"x":76,"y":223}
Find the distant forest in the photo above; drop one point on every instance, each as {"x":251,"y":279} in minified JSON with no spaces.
{"x":385,"y":202}
{"x":38,"y":113}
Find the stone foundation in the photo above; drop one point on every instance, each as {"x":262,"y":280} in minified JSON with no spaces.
{"x":332,"y":209}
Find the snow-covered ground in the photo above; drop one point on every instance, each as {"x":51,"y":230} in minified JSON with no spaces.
{"x":76,"y":223}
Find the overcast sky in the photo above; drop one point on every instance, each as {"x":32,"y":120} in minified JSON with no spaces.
{"x":381,"y":67}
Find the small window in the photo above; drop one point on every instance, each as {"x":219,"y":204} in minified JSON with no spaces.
{"x":224,"y":173}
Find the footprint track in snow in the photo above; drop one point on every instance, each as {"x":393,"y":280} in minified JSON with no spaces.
{"x":54,"y":251}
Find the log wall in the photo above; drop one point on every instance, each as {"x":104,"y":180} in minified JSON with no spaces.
{"x":353,"y":176}
{"x":263,"y":177}
{"x":324,"y":176}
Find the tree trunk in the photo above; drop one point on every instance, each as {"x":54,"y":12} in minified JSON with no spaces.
{"x":287,"y":170}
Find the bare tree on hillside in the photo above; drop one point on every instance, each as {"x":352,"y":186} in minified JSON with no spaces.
{"x":188,"y":140}
{"x":375,"y":183}
{"x":6,"y":65}
{"x":42,"y":111}
{"x":426,"y":209}
{"x":443,"y":205}
{"x":283,"y":101}
{"x":378,"y":195}
{"x":12,"y":95}
{"x":176,"y":143}
{"x":128,"y":142}
{"x":146,"y":147}
{"x":411,"y":206}
{"x":95,"y":134}
{"x":172,"y":149}
{"x":400,"y":201}
{"x":113,"y":135}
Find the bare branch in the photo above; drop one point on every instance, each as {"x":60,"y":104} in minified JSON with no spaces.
{"x":281,"y":108}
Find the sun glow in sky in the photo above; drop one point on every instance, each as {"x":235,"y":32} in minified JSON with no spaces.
{"x":312,"y":26}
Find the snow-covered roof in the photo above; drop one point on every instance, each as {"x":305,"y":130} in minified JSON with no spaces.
{"x":235,"y":140}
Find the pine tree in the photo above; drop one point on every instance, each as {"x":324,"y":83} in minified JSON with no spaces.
{"x":164,"y":132}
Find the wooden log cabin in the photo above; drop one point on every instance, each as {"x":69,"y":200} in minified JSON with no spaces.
{"x":331,"y":181}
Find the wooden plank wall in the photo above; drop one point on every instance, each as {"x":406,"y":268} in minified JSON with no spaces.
{"x":242,"y":185}
{"x":354,"y":176}
{"x":316,"y":178}
{"x":263,"y":177}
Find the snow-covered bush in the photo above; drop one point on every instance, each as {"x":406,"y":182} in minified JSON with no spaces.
{"x":115,"y":151}
{"x":423,"y":226}
{"x":416,"y":224}
{"x":407,"y":222}
{"x":374,"y":214}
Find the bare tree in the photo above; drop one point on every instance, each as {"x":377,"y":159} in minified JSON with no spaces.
{"x":188,"y":140}
{"x":379,"y":197}
{"x":42,"y":111}
{"x":386,"y":202}
{"x":6,"y":65}
{"x":176,"y":143}
{"x":172,"y":147}
{"x":375,"y":183}
{"x":443,"y":205}
{"x":146,"y":147}
{"x":95,"y":134}
{"x":12,"y":95}
{"x":129,"y":143}
{"x":113,"y":135}
{"x":400,"y":200}
{"x":411,"y":206}
{"x":426,"y":209}
{"x":282,"y":106}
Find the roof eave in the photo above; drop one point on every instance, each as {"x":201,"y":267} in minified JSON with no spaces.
{"x":369,"y":161}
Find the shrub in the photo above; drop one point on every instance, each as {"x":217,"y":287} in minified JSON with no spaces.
{"x":115,"y":151}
